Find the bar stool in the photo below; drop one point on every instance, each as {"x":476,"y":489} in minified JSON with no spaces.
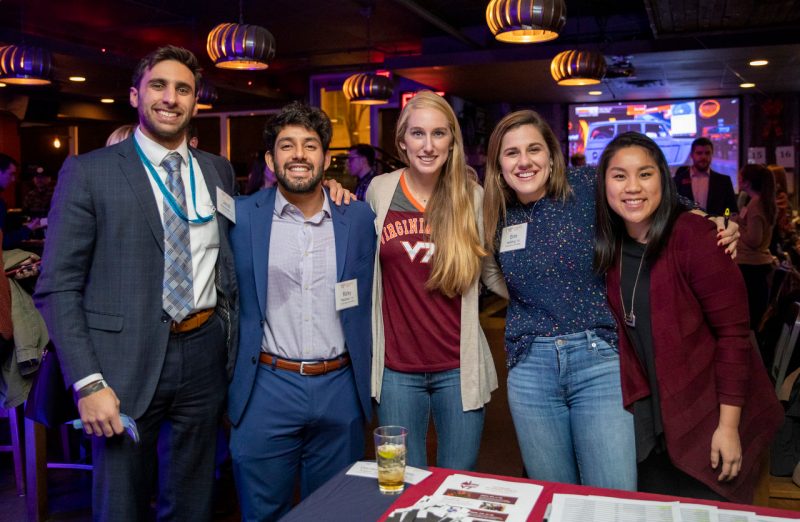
{"x":36,"y":465}
{"x":15,"y":448}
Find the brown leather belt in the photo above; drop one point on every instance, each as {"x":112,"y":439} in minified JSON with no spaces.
{"x":191,"y":322}
{"x":306,"y":368}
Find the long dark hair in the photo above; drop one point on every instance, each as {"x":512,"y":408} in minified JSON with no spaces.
{"x":609,"y":227}
{"x":762,"y":181}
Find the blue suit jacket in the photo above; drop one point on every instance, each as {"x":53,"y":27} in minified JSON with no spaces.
{"x":103,"y":268}
{"x":354,"y":236}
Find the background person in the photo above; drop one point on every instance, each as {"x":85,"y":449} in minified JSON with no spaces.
{"x":260,"y":175}
{"x":13,"y":235}
{"x":361,"y":164}
{"x":756,"y":223}
{"x":712,"y":191}
{"x":578,"y":159}
{"x":121,"y":133}
{"x":703,"y":405}
{"x":430,"y":356}
{"x":37,"y":201}
{"x":784,"y":235}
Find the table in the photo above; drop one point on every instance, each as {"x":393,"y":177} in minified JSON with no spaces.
{"x":345,"y":498}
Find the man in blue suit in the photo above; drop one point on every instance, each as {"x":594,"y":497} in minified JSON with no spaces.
{"x":300,"y":392}
{"x":139,"y":295}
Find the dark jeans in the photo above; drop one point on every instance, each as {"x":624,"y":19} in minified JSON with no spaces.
{"x":756,"y":279}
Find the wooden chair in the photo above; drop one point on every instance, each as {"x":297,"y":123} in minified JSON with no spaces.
{"x":15,"y":448}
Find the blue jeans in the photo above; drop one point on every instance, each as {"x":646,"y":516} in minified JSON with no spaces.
{"x":566,"y":401}
{"x":407,"y":399}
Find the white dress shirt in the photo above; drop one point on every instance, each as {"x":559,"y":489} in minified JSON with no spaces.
{"x":700,"y":187}
{"x":302,"y":322}
{"x":204,"y":238}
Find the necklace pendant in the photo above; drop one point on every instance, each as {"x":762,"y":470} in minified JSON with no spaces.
{"x":630,"y":320}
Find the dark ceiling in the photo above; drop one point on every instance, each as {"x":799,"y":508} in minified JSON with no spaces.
{"x":675,"y":48}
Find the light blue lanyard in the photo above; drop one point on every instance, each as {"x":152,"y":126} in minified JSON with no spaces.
{"x":168,"y":197}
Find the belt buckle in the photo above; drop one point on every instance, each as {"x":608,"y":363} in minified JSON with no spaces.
{"x":302,"y":368}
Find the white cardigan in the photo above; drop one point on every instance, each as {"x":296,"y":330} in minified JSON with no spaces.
{"x":478,"y":374}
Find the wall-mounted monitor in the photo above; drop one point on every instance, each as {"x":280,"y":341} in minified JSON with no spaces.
{"x":673,"y":124}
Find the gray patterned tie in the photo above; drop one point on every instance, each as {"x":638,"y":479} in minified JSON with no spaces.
{"x":178,"y":295}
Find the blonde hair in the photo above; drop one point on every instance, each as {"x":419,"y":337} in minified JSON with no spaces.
{"x":120,"y":134}
{"x":497,"y":194}
{"x":450,"y":212}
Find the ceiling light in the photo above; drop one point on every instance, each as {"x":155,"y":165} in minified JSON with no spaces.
{"x":747,"y":85}
{"x":595,"y":93}
{"x":578,"y":68}
{"x":77,"y":78}
{"x":25,"y":65}
{"x":106,"y":100}
{"x":368,"y":89}
{"x":526,"y":21}
{"x":759,"y":63}
{"x":240,"y":46}
{"x":206,"y":95}
{"x":2,"y":84}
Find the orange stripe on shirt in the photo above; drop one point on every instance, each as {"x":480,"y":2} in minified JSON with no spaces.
{"x":419,"y":206}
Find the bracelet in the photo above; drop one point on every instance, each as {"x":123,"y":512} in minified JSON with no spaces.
{"x":90,"y":388}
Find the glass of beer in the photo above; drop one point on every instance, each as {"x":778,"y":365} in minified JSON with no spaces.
{"x":390,"y":452}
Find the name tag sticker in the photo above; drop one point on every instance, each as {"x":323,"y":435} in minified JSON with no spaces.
{"x":346,"y":294}
{"x":513,"y":237}
{"x":226,"y":205}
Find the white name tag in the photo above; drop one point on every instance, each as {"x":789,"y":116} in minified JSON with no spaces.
{"x":346,"y":294}
{"x":514,"y":237}
{"x":226,"y":205}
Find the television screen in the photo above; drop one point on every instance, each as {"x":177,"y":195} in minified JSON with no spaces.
{"x":673,"y":125}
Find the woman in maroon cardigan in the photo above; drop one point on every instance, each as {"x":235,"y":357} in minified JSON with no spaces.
{"x":704,"y":408}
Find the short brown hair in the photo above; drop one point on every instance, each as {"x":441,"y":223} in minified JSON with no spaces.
{"x":702,"y":142}
{"x":162,"y":54}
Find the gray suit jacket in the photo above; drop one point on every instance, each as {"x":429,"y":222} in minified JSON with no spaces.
{"x":101,"y":281}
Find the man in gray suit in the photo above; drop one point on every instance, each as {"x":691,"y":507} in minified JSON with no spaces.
{"x":139,"y":295}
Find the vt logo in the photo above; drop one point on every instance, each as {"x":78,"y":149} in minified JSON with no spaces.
{"x":418,"y":247}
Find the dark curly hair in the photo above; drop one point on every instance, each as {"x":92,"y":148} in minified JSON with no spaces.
{"x":298,"y":113}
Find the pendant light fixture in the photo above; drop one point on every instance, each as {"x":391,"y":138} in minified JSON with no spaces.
{"x":25,"y":65}
{"x":240,"y":46}
{"x":206,"y":95}
{"x":368,"y":88}
{"x":578,"y":68}
{"x":526,"y":21}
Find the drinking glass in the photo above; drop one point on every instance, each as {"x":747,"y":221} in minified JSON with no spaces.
{"x":390,"y":452}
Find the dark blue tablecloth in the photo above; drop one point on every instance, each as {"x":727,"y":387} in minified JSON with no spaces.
{"x":343,"y":499}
